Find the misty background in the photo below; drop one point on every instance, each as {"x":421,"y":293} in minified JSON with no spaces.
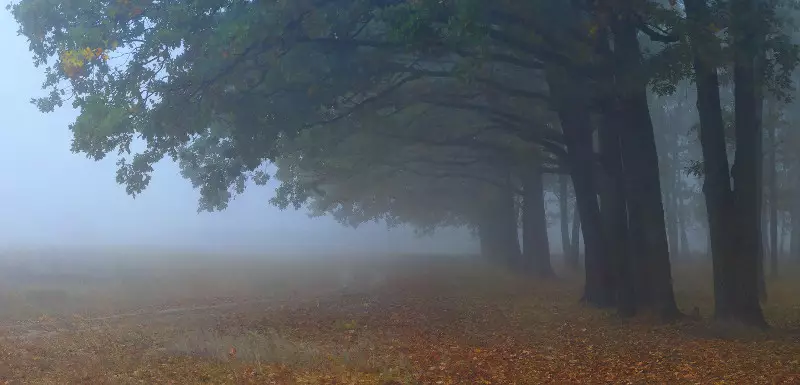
{"x":54,"y":198}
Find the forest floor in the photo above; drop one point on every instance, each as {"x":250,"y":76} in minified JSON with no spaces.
{"x":371,"y":321}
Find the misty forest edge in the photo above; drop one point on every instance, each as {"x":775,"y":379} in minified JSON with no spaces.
{"x":458,"y":112}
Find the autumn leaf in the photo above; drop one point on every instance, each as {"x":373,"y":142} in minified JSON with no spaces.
{"x":73,"y":62}
{"x":593,"y":30}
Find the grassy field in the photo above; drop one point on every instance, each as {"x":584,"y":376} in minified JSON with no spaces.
{"x":111,"y":318}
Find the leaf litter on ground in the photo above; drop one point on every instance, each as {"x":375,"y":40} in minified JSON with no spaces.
{"x":444,"y":326}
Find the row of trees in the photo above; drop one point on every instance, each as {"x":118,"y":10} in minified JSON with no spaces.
{"x":434,"y":113}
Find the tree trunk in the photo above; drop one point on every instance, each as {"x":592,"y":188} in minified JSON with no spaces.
{"x":575,"y":250}
{"x":794,"y":232}
{"x":781,"y":234}
{"x":509,"y":226}
{"x":495,"y":246}
{"x":568,"y":93}
{"x":672,"y":224}
{"x":497,"y":229}
{"x":747,"y":165}
{"x":563,"y":199}
{"x":640,"y":162}
{"x":488,"y":241}
{"x":682,"y":229}
{"x":614,"y":208}
{"x":716,"y":184}
{"x":772,"y":185}
{"x":671,"y":212}
{"x":535,"y":245}
{"x":764,"y":217}
{"x":759,"y":70}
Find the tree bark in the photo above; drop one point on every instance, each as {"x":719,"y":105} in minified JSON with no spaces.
{"x":744,"y":267}
{"x":794,"y":232}
{"x":682,"y":228}
{"x":563,"y":199}
{"x":781,"y":234}
{"x":759,"y":71}
{"x":567,"y":90}
{"x":488,"y":242}
{"x":764,"y":217}
{"x":671,"y":212}
{"x":640,"y":162}
{"x":497,"y":229}
{"x":614,"y":208}
{"x":535,"y":245}
{"x":716,"y":184}
{"x":575,"y":250}
{"x":772,"y":185}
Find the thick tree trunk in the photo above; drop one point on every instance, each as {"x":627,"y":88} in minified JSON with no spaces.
{"x":764,"y":217}
{"x":759,"y":68}
{"x":497,"y":229}
{"x":640,"y":160}
{"x":772,"y":185}
{"x":672,"y":224}
{"x":794,"y":232}
{"x":614,"y":209}
{"x":568,"y":93}
{"x":575,"y":250}
{"x":509,"y":227}
{"x":671,"y":212}
{"x":563,"y":199}
{"x":744,"y":267}
{"x":563,"y":206}
{"x":682,"y":229}
{"x":774,"y":248}
{"x":535,"y":245}
{"x":487,"y":240}
{"x":716,"y":184}
{"x":763,"y":242}
{"x":494,"y":245}
{"x":781,"y":234}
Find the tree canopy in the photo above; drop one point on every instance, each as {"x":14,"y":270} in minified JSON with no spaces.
{"x":434,"y":112}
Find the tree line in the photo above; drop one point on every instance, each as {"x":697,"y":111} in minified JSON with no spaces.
{"x":461,"y":113}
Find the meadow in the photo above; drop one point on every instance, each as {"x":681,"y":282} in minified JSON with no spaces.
{"x":170,"y":318}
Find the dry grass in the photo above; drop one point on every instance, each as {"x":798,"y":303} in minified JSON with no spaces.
{"x":187,"y":320}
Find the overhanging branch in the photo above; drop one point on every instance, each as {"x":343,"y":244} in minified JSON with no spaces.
{"x":657,"y":35}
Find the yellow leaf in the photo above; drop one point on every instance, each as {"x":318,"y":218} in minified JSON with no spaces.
{"x":593,"y":30}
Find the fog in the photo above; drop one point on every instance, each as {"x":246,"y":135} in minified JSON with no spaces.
{"x":54,"y":198}
{"x":624,"y":175}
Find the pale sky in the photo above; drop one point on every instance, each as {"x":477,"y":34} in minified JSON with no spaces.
{"x":52,"y":197}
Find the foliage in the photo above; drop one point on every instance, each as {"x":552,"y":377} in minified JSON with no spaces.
{"x":419,"y":163}
{"x":226,"y":88}
{"x":211,"y":84}
{"x":216,"y":85}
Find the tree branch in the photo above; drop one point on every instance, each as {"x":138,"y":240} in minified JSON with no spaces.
{"x":654,"y":35}
{"x":511,"y":91}
{"x":366,"y":102}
